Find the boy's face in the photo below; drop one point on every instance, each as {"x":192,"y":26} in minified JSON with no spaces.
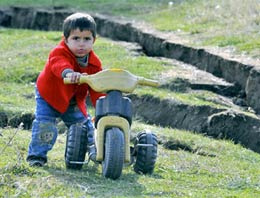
{"x":80,"y":43}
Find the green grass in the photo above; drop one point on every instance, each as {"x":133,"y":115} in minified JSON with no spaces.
{"x":116,"y":56}
{"x":215,"y":169}
{"x":23,"y":64}
{"x":244,"y":43}
{"x":230,"y":23}
{"x":17,"y":98}
{"x":190,"y":98}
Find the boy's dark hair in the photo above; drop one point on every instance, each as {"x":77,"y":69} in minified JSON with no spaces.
{"x":81,"y":21}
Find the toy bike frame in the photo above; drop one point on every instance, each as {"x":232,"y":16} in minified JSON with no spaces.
{"x":113,"y":112}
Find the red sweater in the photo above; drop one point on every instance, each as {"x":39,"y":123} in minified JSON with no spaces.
{"x":50,"y":83}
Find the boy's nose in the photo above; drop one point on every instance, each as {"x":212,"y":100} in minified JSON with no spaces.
{"x":81,"y":42}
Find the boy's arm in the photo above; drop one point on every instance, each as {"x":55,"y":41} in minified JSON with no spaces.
{"x":65,"y":72}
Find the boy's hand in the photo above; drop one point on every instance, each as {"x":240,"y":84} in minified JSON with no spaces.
{"x":74,"y":77}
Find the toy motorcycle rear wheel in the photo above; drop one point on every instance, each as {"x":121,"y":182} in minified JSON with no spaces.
{"x":114,"y":153}
{"x":76,"y":147}
{"x":146,"y":152}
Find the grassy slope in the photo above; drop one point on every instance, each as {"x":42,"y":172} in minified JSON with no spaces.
{"x":216,"y":169}
{"x":213,"y":168}
{"x":224,"y":23}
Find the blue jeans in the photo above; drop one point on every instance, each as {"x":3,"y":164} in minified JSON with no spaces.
{"x":44,"y":131}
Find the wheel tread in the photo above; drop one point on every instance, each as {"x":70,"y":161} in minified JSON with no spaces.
{"x":146,"y":156}
{"x":76,"y":146}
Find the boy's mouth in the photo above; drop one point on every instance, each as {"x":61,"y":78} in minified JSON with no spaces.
{"x":81,"y":51}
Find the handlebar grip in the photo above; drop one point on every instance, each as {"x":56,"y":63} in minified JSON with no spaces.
{"x":148,"y":82}
{"x":83,"y":79}
{"x":67,"y":81}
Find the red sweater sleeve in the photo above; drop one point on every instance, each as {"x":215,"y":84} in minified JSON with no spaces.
{"x":59,"y":61}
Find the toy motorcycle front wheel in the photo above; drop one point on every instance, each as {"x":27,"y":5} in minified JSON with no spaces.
{"x":114,"y":153}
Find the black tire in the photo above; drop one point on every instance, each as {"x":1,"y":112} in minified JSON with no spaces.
{"x":114,"y":153}
{"x":145,"y":155}
{"x":76,"y":146}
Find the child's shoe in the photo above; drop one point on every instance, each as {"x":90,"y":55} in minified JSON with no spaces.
{"x":36,"y":161}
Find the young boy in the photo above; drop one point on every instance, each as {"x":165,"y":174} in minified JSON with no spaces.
{"x":73,"y":56}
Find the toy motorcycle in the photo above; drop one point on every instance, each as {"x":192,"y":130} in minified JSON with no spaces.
{"x":113,"y":118}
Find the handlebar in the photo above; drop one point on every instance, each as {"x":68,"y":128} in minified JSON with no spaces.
{"x":114,"y":79}
{"x":147,"y":82}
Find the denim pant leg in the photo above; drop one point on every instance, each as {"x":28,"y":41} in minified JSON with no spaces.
{"x":73,"y":115}
{"x":44,"y":131}
{"x":88,"y":125}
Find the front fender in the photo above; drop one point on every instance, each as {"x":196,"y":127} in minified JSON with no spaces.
{"x":107,"y":122}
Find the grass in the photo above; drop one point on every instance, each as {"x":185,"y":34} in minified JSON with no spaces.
{"x":211,"y":168}
{"x":216,"y":169}
{"x":24,"y":64}
{"x":223,"y":23}
{"x":16,"y":97}
{"x":213,"y":23}
{"x":116,"y":56}
{"x":190,"y":98}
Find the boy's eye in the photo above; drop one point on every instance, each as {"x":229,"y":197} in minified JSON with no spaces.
{"x":87,"y":38}
{"x":75,"y":38}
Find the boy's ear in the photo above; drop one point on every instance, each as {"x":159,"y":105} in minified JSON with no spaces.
{"x":94,"y":40}
{"x":63,"y":38}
